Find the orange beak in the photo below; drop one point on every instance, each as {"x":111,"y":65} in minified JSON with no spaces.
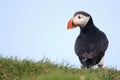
{"x":69,"y":24}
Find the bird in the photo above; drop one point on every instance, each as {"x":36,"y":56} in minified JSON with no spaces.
{"x":92,"y":43}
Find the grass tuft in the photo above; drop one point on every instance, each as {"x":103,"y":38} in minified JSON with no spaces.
{"x":14,"y":69}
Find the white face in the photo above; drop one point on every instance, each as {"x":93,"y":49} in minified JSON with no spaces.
{"x":81,"y":20}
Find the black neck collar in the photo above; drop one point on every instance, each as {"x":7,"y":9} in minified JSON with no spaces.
{"x":87,"y":26}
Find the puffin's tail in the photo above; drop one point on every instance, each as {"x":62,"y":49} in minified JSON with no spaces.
{"x":90,"y":59}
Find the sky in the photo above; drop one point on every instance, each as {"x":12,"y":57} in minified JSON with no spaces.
{"x":34,"y":29}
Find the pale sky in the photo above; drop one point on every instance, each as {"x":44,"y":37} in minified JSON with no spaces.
{"x":34,"y":29}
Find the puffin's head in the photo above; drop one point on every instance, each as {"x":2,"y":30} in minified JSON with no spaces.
{"x":80,"y":19}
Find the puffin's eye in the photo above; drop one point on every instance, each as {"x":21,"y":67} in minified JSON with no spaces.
{"x":79,"y":17}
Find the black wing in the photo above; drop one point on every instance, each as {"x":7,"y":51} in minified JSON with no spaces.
{"x":91,"y":47}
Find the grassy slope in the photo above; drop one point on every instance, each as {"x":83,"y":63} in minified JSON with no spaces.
{"x":13,"y":69}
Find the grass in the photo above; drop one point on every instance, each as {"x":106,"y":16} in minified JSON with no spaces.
{"x":14,"y":69}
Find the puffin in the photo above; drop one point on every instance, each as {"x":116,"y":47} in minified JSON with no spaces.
{"x":91,"y":43}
